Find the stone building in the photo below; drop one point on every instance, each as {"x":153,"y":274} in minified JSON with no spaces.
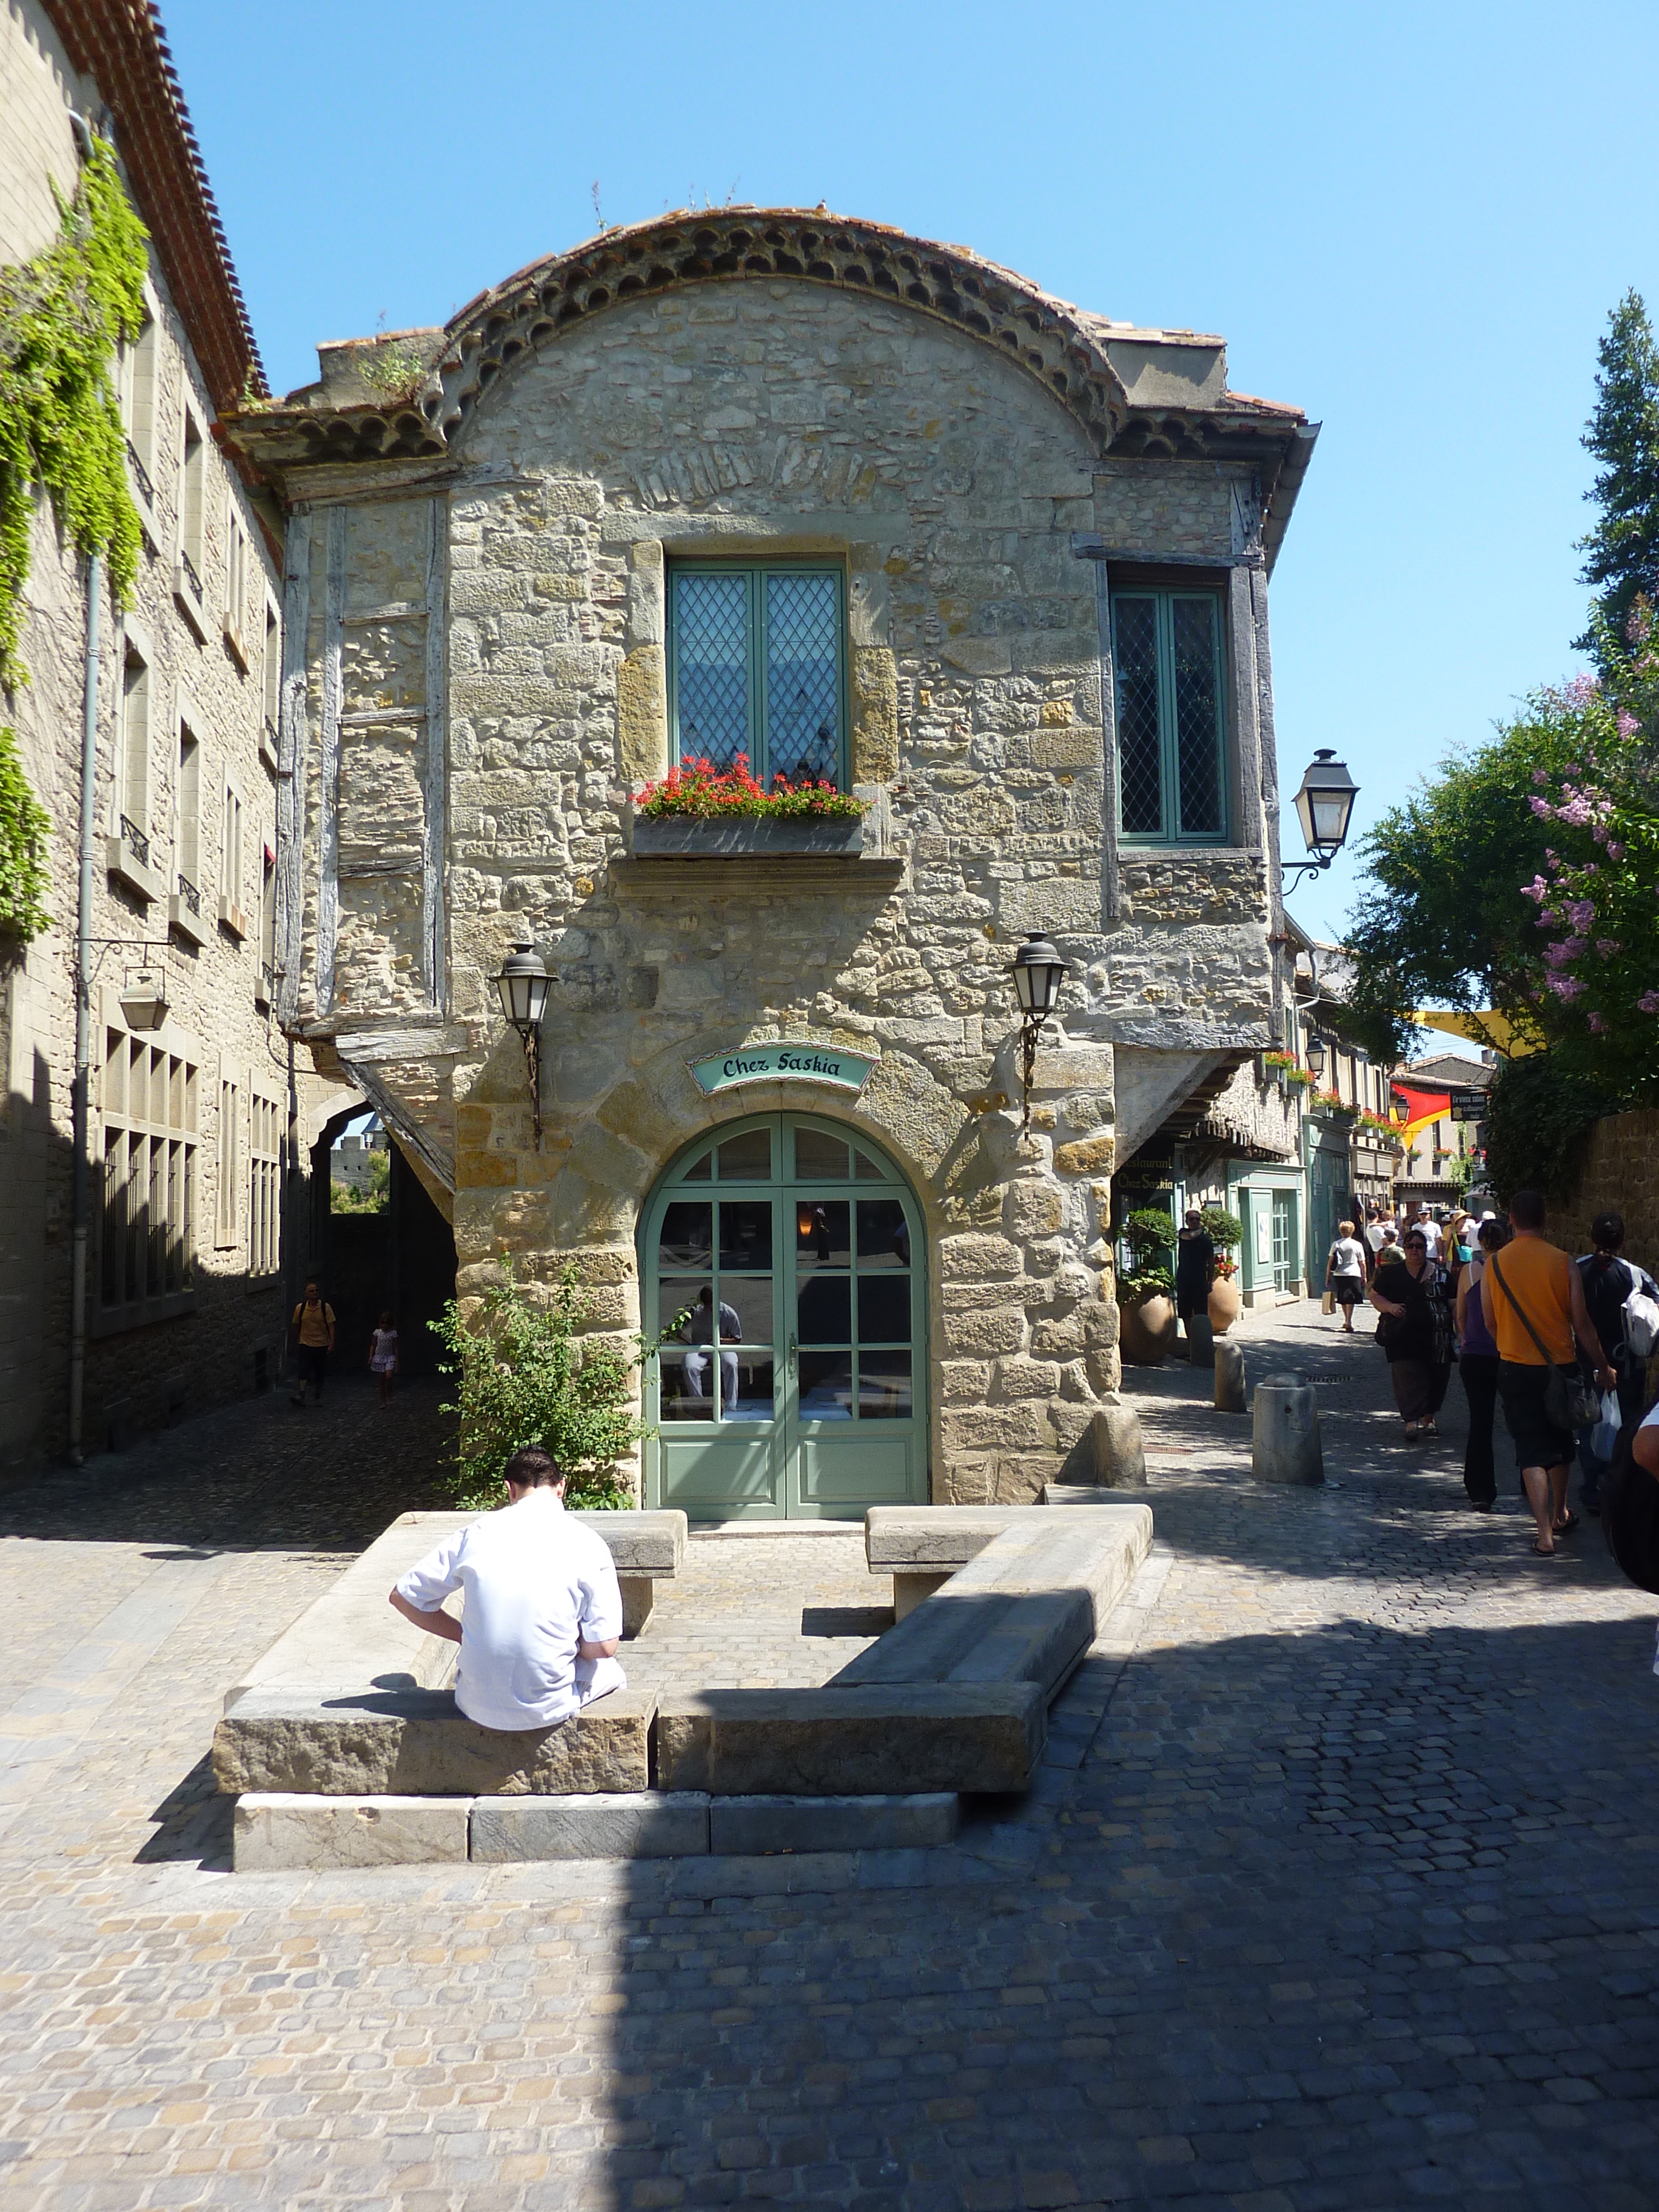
{"x":188,"y":1121}
{"x":861,"y":507}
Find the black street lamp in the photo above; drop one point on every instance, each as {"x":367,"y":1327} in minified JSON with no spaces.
{"x":522,"y":986}
{"x":1314,"y":1054}
{"x":1039,"y":972}
{"x":1324,"y":806}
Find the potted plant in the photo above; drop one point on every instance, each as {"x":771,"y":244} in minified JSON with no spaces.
{"x":1227,"y":1232}
{"x":1145,"y":1293}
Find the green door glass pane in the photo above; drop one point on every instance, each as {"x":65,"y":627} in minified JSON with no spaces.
{"x":687,"y":1240}
{"x":1140,"y":752}
{"x":883,"y":1309}
{"x":747,"y":1157}
{"x":820,"y":1158}
{"x":826,"y":1386}
{"x":745,"y":1233}
{"x":1197,"y":715}
{"x":712,"y":664}
{"x":803,"y":676}
{"x":885,"y":1386}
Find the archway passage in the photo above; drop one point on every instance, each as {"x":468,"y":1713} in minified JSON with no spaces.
{"x":784,"y":1258}
{"x":401,"y":1261}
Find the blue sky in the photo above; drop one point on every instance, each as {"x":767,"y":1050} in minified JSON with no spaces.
{"x":1412,"y":222}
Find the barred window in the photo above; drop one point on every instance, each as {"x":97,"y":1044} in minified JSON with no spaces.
{"x":149,"y":1246}
{"x":264,"y":1213}
{"x":1169,"y":673}
{"x":757,"y":666}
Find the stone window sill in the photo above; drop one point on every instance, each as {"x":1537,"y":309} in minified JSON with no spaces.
{"x":121,"y":862}
{"x":189,"y":924}
{"x":234,"y":644}
{"x":232,"y":918}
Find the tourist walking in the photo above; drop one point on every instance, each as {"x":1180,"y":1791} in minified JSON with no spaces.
{"x":1609,"y":1281}
{"x":1411,"y":1292}
{"x":383,"y":1356}
{"x":1533,"y":1298}
{"x":1344,"y":1273}
{"x":312,"y":1327}
{"x":1195,"y":1269}
{"x":1477,"y":1369}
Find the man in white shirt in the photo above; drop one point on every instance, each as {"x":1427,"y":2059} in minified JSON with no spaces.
{"x":542,"y":1610}
{"x":1431,"y":1228}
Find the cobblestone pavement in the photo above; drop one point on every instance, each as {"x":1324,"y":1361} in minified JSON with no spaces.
{"x":1339,"y":1889}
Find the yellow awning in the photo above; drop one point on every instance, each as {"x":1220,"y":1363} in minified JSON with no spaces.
{"x":1487,"y":1028}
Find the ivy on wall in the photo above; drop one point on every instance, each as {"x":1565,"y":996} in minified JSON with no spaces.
{"x":24,"y":828}
{"x":62,"y":315}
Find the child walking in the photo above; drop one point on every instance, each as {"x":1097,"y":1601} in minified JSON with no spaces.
{"x":383,"y":1356}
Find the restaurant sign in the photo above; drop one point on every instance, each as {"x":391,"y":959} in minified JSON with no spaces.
{"x":791,"y":1061}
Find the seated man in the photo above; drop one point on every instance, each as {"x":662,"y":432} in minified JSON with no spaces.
{"x":543,"y":1611}
{"x":702,"y":1328}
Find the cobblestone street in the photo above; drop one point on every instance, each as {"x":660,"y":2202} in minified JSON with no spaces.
{"x":1340,"y":1888}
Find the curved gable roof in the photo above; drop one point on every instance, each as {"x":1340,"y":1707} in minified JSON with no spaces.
{"x":1132,"y":391}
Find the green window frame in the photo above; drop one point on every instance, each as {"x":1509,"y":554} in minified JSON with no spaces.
{"x":758,"y":664}
{"x":1169,"y":682}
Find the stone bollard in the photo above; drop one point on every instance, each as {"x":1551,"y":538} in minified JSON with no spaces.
{"x":1230,"y":1396}
{"x":1120,"y":1453}
{"x":1285,"y":1443}
{"x":1200,"y":1340}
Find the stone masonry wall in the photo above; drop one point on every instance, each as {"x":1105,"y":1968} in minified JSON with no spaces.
{"x":139,"y":1377}
{"x":747,"y":420}
{"x":1620,"y":1172}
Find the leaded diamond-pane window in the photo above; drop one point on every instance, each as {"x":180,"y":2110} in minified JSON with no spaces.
{"x":756,"y":667}
{"x":1168,"y":673}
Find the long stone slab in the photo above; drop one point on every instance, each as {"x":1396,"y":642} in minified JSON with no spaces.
{"x":350,"y":1638}
{"x":755,"y":1827}
{"x":883,"y":1740}
{"x":277,"y":1830}
{"x":610,"y":1825}
{"x":1024,"y":1606}
{"x":417,"y":1743}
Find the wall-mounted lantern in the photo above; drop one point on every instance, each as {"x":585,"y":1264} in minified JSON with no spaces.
{"x":144,"y":1000}
{"x":1314,"y":1054}
{"x":522,"y":987}
{"x":1039,"y":972}
{"x":1324,"y":806}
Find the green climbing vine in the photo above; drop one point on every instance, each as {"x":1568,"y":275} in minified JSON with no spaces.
{"x":62,"y":315}
{"x":24,"y":828}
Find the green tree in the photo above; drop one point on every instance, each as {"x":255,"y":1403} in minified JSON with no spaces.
{"x":1442,"y":921}
{"x":1623,"y":434}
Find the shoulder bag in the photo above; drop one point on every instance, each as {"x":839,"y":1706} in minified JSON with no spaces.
{"x":1567,"y":1406}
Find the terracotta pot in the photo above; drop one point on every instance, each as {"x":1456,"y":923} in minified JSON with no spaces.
{"x":1147,"y":1331}
{"x":1225,"y":1303}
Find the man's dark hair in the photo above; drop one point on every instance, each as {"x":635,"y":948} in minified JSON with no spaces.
{"x":705,"y":1296}
{"x":1491,"y":1235}
{"x":532,"y":1468}
{"x":1607,"y":1232}
{"x":1529,"y":1209}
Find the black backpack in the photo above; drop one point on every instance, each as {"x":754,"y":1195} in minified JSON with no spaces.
{"x":1630,"y":1514}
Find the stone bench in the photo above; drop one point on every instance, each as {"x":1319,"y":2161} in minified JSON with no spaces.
{"x":354,"y":1700}
{"x":955,"y":1695}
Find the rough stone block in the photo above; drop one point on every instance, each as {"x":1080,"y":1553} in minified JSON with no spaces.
{"x":416,"y":1742}
{"x":753,"y":1826}
{"x":276,"y":1829}
{"x":833,"y":1742}
{"x":1285,"y":1443}
{"x":607,"y":1824}
{"x":1231,"y":1396}
{"x":1120,"y":1450}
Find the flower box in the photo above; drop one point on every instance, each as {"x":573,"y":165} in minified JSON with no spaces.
{"x":685,"y":836}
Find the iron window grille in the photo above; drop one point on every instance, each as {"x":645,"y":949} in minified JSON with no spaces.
{"x":190,"y":896}
{"x":757,"y":665}
{"x":135,"y":840}
{"x":1169,"y":676}
{"x":141,"y":474}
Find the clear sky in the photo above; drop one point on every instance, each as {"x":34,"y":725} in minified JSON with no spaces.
{"x":1413,"y":220}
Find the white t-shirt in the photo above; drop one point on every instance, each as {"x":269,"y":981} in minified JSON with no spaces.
{"x":1430,"y":1231}
{"x":1347,"y":1256}
{"x":536,"y":1582}
{"x":1374,"y":1234}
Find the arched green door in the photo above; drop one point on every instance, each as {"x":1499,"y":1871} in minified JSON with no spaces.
{"x":784,"y":1256}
